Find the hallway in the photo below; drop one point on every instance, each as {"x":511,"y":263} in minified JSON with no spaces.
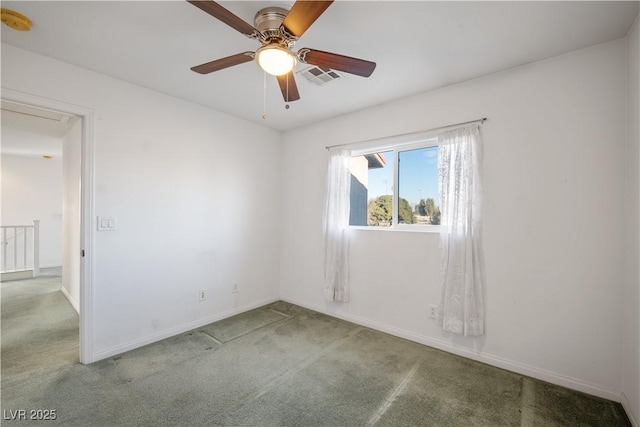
{"x":39,"y":328}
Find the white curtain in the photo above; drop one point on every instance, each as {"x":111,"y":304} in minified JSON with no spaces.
{"x":336,"y":223}
{"x":461,"y":309}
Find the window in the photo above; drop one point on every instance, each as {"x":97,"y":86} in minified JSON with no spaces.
{"x":395,"y":187}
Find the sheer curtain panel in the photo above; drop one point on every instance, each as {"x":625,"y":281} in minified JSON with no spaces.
{"x":461,"y":309}
{"x":336,"y":223}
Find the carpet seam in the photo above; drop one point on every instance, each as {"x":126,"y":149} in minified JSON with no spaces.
{"x":280,"y":379}
{"x":527,"y":407}
{"x":394,"y":394}
{"x":216,"y":340}
{"x":248,"y":332}
{"x":278,"y":312}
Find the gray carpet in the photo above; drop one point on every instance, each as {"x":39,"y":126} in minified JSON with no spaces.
{"x":279,"y":365}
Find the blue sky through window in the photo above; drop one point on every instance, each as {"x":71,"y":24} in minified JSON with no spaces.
{"x":418,"y":176}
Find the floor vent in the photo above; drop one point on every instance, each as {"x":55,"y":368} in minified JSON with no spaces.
{"x":320,"y":76}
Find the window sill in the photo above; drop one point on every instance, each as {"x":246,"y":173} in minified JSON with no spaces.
{"x":432,"y":229}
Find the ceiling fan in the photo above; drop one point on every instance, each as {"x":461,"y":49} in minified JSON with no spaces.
{"x":277,"y":30}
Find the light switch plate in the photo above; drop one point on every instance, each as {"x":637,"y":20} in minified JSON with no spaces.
{"x":106,"y":223}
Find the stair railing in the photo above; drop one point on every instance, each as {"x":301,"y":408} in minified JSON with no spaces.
{"x":16,"y":246}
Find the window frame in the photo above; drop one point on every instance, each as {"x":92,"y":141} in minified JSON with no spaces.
{"x":396,"y":148}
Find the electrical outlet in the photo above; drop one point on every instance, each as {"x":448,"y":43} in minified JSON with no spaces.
{"x":234,"y":288}
{"x":202,"y":295}
{"x":433,"y":310}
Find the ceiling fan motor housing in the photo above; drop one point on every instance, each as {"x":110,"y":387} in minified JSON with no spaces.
{"x":268,"y":21}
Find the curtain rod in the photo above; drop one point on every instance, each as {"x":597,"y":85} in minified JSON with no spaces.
{"x":481,"y":121}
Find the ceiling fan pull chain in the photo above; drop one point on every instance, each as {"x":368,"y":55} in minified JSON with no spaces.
{"x":264,"y":92}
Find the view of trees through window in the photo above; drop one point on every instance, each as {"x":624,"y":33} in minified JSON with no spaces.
{"x":372,"y":188}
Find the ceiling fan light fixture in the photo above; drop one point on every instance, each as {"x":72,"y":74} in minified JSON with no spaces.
{"x":275,"y":59}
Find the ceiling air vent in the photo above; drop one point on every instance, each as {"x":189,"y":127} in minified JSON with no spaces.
{"x":319,"y":76}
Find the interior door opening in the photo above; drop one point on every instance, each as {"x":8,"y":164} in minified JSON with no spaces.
{"x":35,"y":131}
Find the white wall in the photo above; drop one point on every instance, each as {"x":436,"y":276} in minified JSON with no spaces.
{"x":554,"y":157}
{"x":631,"y":351}
{"x":195,"y":194}
{"x":71,"y":173}
{"x":32,"y":189}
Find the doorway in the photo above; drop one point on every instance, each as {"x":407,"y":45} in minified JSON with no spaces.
{"x":77,"y":236}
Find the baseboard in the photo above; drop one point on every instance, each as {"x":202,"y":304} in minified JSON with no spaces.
{"x":132,"y":345}
{"x":16,"y":275}
{"x":509,"y":365}
{"x":71,"y":299}
{"x":635,"y":421}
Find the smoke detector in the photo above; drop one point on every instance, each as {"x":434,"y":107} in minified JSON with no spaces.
{"x":15,"y":20}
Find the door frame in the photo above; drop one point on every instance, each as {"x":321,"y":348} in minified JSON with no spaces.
{"x":87,"y":353}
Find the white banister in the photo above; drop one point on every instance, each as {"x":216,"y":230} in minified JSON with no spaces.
{"x":4,"y":250}
{"x":15,"y":246}
{"x":19,"y":234}
{"x":36,"y":247}
{"x":24,"y":247}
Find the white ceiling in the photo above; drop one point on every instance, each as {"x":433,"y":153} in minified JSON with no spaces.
{"x":418,"y":46}
{"x":21,"y":142}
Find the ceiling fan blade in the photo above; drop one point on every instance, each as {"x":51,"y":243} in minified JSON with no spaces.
{"x":219,"y":64}
{"x":350,"y":65}
{"x":302,"y":15}
{"x":288,"y":87}
{"x":219,"y":12}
